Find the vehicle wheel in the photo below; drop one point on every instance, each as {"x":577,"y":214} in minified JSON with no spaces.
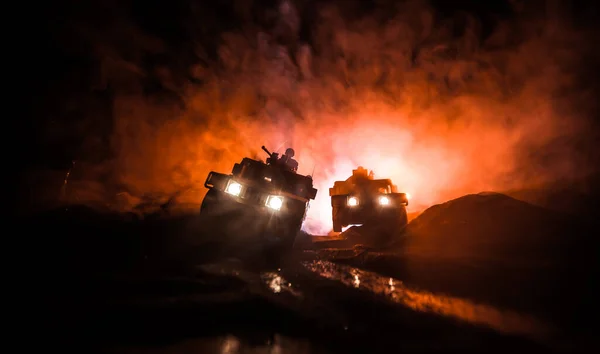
{"x":210,"y":200}
{"x":402,"y":219}
{"x":217,"y":203}
{"x":337,"y":225}
{"x":303,"y":241}
{"x":216,"y":212}
{"x":290,"y":237}
{"x":291,"y":229}
{"x":395,"y":223}
{"x":280,"y":247}
{"x":392,"y":232}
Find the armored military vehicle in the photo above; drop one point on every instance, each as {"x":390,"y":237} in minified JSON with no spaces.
{"x":362,"y":199}
{"x":269,"y":198}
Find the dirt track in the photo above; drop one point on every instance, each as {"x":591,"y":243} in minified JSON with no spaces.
{"x":129,"y":284}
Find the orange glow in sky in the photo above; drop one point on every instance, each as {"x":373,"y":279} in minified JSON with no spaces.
{"x":440,"y":115}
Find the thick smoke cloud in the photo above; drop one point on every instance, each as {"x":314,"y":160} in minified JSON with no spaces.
{"x":431,"y":101}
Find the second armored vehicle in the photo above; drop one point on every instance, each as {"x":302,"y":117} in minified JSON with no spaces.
{"x":361,"y":199}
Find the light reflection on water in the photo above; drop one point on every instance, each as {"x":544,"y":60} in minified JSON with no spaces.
{"x":276,"y":283}
{"x":504,"y":321}
{"x":278,"y":344}
{"x":356,"y":279}
{"x":230,"y":344}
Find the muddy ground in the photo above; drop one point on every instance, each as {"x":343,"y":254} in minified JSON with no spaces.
{"x":482,"y":272}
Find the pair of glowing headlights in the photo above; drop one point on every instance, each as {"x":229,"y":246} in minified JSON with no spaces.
{"x":274,"y":202}
{"x":382,"y":200}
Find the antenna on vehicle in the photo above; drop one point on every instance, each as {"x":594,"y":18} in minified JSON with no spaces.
{"x":313,"y":171}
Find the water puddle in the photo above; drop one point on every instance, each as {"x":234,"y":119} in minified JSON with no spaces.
{"x":272,"y":282}
{"x":277,"y":283}
{"x":230,"y":344}
{"x":504,"y":321}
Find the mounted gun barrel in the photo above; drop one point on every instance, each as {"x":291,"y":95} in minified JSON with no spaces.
{"x":265,"y":150}
{"x":273,"y":156}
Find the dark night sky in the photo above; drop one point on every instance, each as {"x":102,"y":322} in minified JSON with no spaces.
{"x":62,"y":62}
{"x":64,"y":52}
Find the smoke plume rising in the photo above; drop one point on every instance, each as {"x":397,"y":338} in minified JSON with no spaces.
{"x":429,"y":100}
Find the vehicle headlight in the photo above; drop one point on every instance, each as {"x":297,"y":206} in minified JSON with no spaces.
{"x":274,"y":202}
{"x":352,"y":201}
{"x":383,"y":200}
{"x":233,"y":188}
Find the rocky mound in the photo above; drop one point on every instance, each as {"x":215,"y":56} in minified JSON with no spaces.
{"x":492,"y":225}
{"x":495,"y":249}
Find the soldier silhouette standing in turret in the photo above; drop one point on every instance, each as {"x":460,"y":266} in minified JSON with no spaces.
{"x":287,"y":160}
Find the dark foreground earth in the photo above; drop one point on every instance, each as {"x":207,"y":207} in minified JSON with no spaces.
{"x":482,"y":273}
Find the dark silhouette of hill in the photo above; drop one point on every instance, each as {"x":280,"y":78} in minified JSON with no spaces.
{"x":497,"y":226}
{"x":496,"y":249}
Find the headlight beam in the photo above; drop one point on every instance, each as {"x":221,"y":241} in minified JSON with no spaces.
{"x":234,"y":188}
{"x":274,"y":202}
